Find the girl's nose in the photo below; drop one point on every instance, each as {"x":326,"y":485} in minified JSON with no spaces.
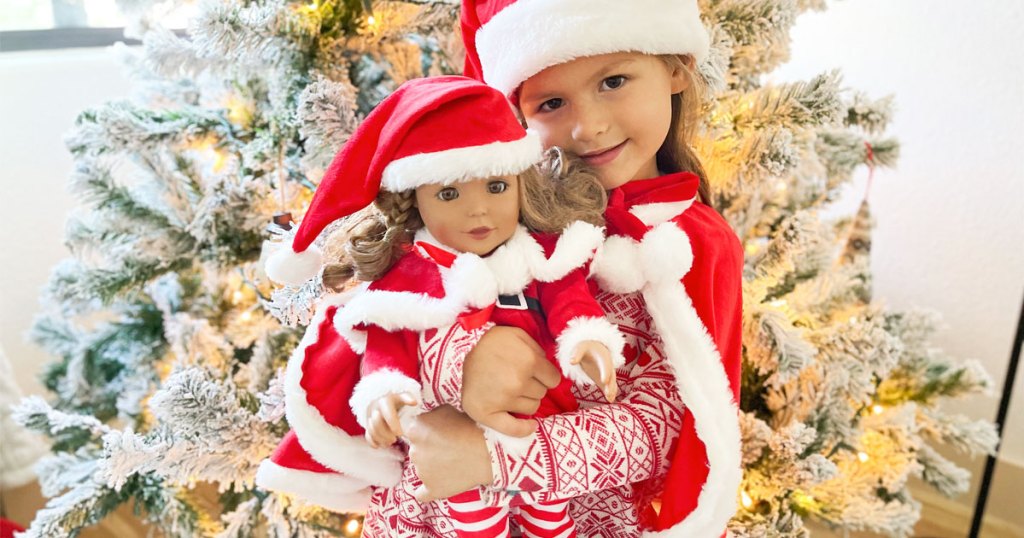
{"x":591,"y":123}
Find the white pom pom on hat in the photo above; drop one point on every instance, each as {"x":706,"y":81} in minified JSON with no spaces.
{"x":294,"y":268}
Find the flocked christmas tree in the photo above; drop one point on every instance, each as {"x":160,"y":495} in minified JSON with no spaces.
{"x":171,"y":341}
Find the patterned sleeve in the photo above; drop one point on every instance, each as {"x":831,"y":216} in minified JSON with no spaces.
{"x":442,"y":353}
{"x":596,"y":448}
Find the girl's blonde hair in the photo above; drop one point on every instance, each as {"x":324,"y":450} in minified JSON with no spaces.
{"x":676,"y":153}
{"x":553,"y":194}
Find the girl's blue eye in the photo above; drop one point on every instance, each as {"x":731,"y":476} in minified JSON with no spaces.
{"x":551,"y":104}
{"x":448,"y":194}
{"x":497,"y":187}
{"x":613,"y":83}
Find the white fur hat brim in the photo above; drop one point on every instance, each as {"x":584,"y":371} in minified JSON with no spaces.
{"x":529,"y":36}
{"x":462,"y":164}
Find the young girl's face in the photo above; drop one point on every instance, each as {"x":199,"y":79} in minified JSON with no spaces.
{"x":474,"y":216}
{"x":613,"y":110}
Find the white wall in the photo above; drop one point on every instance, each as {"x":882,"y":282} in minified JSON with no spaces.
{"x":950,"y":218}
{"x":41,"y":93}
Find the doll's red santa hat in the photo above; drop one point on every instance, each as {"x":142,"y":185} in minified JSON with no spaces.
{"x":437,"y":130}
{"x":509,"y":41}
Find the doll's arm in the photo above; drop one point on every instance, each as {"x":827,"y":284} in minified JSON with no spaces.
{"x":383,"y":422}
{"x":589,"y":346}
{"x":389,"y":367}
{"x":596,"y":361}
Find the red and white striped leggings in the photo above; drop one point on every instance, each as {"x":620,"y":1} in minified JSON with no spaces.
{"x":474,"y":519}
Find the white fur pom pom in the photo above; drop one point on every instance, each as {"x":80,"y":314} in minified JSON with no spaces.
{"x":294,"y":268}
{"x":614,"y":266}
{"x":665,"y":253}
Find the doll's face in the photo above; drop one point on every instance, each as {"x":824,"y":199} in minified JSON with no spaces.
{"x":473,"y":216}
{"x":613,"y":110}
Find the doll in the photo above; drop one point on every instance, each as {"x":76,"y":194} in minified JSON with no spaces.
{"x":466,"y":235}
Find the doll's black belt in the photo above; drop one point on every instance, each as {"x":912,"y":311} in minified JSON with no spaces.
{"x":519,"y":302}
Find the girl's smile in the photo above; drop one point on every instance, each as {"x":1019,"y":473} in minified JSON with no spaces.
{"x":603,"y":156}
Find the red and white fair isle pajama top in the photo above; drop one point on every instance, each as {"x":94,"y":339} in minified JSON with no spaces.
{"x":641,"y":463}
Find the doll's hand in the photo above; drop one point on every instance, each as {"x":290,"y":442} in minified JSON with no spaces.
{"x":382,"y":425}
{"x":596,"y":361}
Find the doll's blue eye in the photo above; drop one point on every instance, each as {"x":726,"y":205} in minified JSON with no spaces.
{"x":448,"y":194}
{"x":497,"y":187}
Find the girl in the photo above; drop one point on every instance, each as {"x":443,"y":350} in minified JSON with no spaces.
{"x":452,"y":247}
{"x":614,"y":82}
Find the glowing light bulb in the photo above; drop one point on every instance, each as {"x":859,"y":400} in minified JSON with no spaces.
{"x":237,"y":111}
{"x":746,"y":500}
{"x":237,"y":296}
{"x":219,"y":160}
{"x":877,"y":409}
{"x":352,"y":527}
{"x":246,"y":316}
{"x":371,"y":20}
{"x":863,"y":457}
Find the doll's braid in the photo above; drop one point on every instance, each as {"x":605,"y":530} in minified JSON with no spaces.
{"x":373,"y":248}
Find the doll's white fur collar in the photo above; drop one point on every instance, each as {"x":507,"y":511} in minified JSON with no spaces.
{"x":521,"y":259}
{"x":471,"y":282}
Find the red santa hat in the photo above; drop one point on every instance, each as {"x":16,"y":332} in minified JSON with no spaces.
{"x":437,"y":130}
{"x":509,"y":41}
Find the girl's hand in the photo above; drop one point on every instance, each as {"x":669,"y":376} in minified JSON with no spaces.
{"x":596,"y":361}
{"x":382,"y":426}
{"x":449,"y":453}
{"x":505,"y":373}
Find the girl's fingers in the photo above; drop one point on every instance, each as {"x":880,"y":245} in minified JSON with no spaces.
{"x":525,"y":406}
{"x":546,"y":373}
{"x":533,"y":389}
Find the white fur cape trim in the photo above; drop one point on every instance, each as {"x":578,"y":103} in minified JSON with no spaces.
{"x":662,"y":258}
{"x":325,"y":442}
{"x":462,"y":164}
{"x":471,"y":282}
{"x":332,"y":491}
{"x":377,"y":385}
{"x":659,"y":212}
{"x":531,"y":35}
{"x":580,"y":330}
